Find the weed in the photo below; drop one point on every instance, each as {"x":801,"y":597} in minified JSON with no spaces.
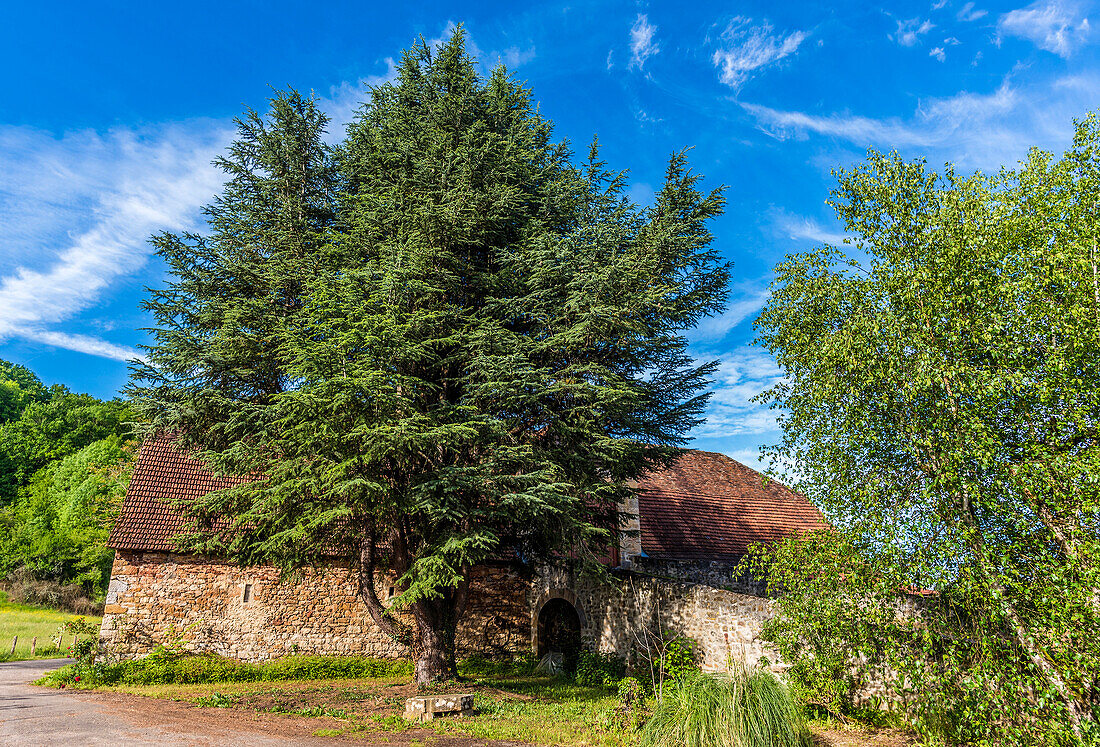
{"x":216,"y":700}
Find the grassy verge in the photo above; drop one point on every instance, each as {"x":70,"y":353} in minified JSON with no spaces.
{"x":28,"y":622}
{"x":530,"y":708}
{"x":513,"y":704}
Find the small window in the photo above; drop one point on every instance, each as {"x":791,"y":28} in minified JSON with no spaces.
{"x":390,"y":593}
{"x":248,"y":592}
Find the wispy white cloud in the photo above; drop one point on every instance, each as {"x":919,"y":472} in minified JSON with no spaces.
{"x":643,"y":43}
{"x":938,"y":53}
{"x":968,"y":13}
{"x":514,"y":57}
{"x":748,"y":47}
{"x":748,"y":298}
{"x":1051,"y":25}
{"x":77,"y":210}
{"x":909,"y":32}
{"x":801,"y":228}
{"x":344,"y":99}
{"x":970,"y":129}
{"x":82,"y":344}
{"x":742,"y":374}
{"x":858,"y":129}
{"x":125,"y":185}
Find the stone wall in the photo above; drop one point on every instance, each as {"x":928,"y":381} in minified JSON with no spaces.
{"x":720,"y":574}
{"x":725,"y":623}
{"x":203,"y":601}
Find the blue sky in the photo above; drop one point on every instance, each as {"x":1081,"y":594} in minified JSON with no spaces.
{"x":110,"y":115}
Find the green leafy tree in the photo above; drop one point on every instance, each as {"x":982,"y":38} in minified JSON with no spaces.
{"x":452,"y":348}
{"x":941,"y":403}
{"x":57,"y":528}
{"x":50,"y":424}
{"x":18,"y":387}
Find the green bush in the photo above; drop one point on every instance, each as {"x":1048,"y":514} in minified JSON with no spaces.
{"x":680,"y":658}
{"x":482,"y":666}
{"x":333,"y":668}
{"x":745,"y":708}
{"x":164,"y":667}
{"x":59,"y":677}
{"x":596,"y":669}
{"x":632,"y":712}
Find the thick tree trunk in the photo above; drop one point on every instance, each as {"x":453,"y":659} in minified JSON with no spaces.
{"x":435,"y":644}
{"x":435,"y":660}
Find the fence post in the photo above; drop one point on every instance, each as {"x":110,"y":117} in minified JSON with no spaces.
{"x":34,"y":645}
{"x":14,"y":640}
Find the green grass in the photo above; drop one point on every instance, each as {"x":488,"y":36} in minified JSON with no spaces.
{"x":27,"y":622}
{"x":557,"y":714}
{"x":512,"y":704}
{"x":529,"y":708}
{"x":744,"y":708}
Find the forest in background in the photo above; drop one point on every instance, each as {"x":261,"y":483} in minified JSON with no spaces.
{"x":65,"y":461}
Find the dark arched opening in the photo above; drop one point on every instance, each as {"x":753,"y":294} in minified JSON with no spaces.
{"x":559,"y":629}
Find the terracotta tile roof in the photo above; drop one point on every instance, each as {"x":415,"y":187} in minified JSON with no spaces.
{"x":707,"y":506}
{"x":162,"y":475}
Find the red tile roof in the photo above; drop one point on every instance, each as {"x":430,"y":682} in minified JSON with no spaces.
{"x":706,"y":506}
{"x":162,"y":475}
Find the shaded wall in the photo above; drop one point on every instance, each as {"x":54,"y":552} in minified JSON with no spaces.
{"x":725,"y":623}
{"x":153,"y":597}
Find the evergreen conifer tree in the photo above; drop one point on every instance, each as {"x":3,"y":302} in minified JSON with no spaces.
{"x":459,"y":351}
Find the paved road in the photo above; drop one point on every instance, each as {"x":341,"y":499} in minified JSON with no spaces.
{"x":40,"y":716}
{"x":33,"y":716}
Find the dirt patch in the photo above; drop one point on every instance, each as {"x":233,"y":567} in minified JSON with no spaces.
{"x":860,"y":737}
{"x":370,"y":700}
{"x":236,"y":725}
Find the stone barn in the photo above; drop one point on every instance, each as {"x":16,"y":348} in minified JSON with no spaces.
{"x":691,"y":524}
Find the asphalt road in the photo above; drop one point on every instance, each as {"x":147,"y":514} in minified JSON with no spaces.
{"x":44,"y":716}
{"x":41,"y":716}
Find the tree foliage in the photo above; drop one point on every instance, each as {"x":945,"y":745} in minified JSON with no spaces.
{"x":57,"y":528}
{"x":64,"y":462}
{"x":440,"y":343}
{"x":40,"y":424}
{"x":941,"y":404}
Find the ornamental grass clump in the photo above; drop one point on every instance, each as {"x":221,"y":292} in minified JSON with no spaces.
{"x":743,"y":708}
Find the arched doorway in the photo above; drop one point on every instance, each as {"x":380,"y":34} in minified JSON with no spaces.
{"x":559,"y":629}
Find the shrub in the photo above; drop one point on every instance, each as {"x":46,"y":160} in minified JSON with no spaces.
{"x":207,"y":668}
{"x":483,"y":666}
{"x":166,"y":667}
{"x":680,"y":658}
{"x":745,"y":708}
{"x":26,"y":589}
{"x":332,"y":668}
{"x":632,"y":704}
{"x":596,"y":669}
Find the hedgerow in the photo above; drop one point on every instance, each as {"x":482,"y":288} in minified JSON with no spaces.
{"x":160,"y":668}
